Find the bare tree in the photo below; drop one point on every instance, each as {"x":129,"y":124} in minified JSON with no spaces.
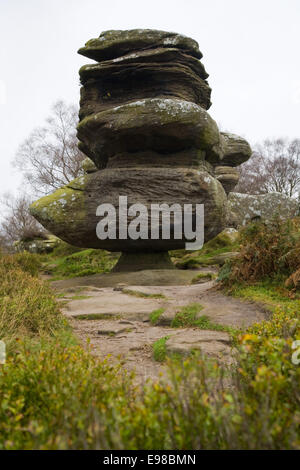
{"x":273,"y":167}
{"x":17,"y":223}
{"x":49,"y":158}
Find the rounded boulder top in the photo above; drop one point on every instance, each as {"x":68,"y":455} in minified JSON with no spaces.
{"x":115,"y":43}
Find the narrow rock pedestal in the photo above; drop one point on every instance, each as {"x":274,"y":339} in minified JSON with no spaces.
{"x":140,"y":261}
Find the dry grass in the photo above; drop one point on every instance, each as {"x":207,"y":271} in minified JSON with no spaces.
{"x":27,"y":304}
{"x":267,"y":250}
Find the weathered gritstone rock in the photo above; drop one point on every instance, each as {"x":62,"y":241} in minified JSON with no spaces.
{"x":88,"y":166}
{"x":38,"y":245}
{"x":71,"y":211}
{"x":161,"y":125}
{"x":111,"y":305}
{"x":211,"y":343}
{"x":245,"y":208}
{"x":115,"y":43}
{"x":144,"y":123}
{"x":171,"y":73}
{"x":228,"y":177}
{"x":152,"y":56}
{"x":236,"y":150}
{"x":191,"y":158}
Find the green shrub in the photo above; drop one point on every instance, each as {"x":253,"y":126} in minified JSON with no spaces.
{"x":64,"y":249}
{"x":58,"y":397}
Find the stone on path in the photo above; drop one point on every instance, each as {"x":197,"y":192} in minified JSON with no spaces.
{"x":110,"y":303}
{"x":208,"y":342}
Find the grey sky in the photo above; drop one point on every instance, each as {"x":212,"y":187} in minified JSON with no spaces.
{"x":250,"y":48}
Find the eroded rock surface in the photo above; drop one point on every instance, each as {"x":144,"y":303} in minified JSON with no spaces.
{"x":212,"y":343}
{"x":161,"y":125}
{"x":70,"y":212}
{"x":115,"y":43}
{"x":245,"y":208}
{"x":118,"y":324}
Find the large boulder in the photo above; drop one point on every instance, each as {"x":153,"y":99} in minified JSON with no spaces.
{"x":70,"y":212}
{"x":245,"y":208}
{"x":161,"y":125}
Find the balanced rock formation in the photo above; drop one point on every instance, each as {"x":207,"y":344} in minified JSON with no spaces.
{"x":145,"y":126}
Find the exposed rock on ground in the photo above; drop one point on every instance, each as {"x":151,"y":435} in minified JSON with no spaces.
{"x":38,"y":244}
{"x":118,"y":323}
{"x":215,"y":343}
{"x":148,"y":277}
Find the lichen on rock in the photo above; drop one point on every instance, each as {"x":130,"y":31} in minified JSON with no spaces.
{"x":144,"y":126}
{"x":245,"y":208}
{"x":115,"y":43}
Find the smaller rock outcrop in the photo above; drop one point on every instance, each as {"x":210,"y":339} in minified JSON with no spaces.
{"x":245,"y":208}
{"x":38,"y":244}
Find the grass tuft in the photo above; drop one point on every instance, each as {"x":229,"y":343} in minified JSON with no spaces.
{"x":203,"y":277}
{"x":159,"y":349}
{"x":145,"y":295}
{"x":187,"y":316}
{"x":155,"y":315}
{"x":97,"y":316}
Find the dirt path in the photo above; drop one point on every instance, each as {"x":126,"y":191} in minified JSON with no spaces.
{"x":117,"y":322}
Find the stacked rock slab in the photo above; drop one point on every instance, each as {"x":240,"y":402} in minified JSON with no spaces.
{"x":144,"y":124}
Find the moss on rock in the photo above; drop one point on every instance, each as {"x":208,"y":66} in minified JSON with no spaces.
{"x":63,"y":209}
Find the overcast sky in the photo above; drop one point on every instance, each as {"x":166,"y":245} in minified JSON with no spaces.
{"x":250,"y":49}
